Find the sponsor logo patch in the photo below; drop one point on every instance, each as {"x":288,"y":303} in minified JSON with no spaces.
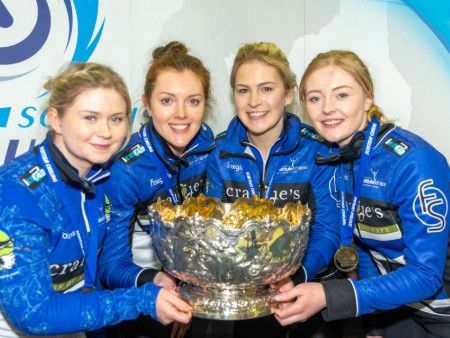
{"x":133,"y":154}
{"x":311,"y":134}
{"x":395,"y":146}
{"x":33,"y":177}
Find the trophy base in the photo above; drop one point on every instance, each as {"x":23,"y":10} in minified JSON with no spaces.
{"x":228,"y":303}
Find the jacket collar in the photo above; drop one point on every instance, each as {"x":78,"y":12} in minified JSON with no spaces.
{"x":201,"y":143}
{"x":351,"y":151}
{"x":69,"y":174}
{"x":237,"y":140}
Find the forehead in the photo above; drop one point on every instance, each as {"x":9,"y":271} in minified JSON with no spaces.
{"x":257,"y":71}
{"x":330,"y":78}
{"x":172,"y":79}
{"x":98,"y":99}
{"x":330,"y":74}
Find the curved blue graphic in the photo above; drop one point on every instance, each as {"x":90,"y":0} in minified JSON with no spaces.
{"x":87,"y":12}
{"x":33,"y":42}
{"x":435,"y":13}
{"x":86,"y":15}
{"x":6,"y":19}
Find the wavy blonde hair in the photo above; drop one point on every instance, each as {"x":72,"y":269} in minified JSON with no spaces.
{"x":78,"y":77}
{"x":349,"y":62}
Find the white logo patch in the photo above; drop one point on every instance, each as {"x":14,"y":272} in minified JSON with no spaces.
{"x":430,"y":206}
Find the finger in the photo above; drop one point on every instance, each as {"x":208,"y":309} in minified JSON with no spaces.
{"x":173,"y":292}
{"x":180,"y":305}
{"x":182,"y":317}
{"x":284,"y":321}
{"x":286,"y":296}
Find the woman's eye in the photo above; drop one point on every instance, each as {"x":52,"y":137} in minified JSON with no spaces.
{"x":313,"y":99}
{"x":342,"y":95}
{"x":117,"y":119}
{"x":166,"y":100}
{"x":242,"y":91}
{"x":267,"y":89}
{"x":89,"y":117}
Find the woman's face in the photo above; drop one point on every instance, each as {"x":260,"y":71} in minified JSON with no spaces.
{"x":336,"y":104}
{"x":260,"y":98}
{"x":177,"y":105}
{"x":92,"y":128}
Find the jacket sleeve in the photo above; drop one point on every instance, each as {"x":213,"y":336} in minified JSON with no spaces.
{"x":28,"y":299}
{"x":214,"y":183}
{"x":421,"y":194}
{"x":116,"y":266}
{"x":324,"y":234}
{"x":340,"y":298}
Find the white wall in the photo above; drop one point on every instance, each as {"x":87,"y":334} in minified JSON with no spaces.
{"x":409,"y":64}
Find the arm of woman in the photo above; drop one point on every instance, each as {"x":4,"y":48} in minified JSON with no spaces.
{"x":30,"y":301}
{"x":116,"y":266}
{"x":214,"y":183}
{"x":324,"y":233}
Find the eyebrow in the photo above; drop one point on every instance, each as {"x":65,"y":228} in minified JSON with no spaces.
{"x":341,"y":87}
{"x":171,"y":94}
{"x":259,"y":84}
{"x":334,"y":89}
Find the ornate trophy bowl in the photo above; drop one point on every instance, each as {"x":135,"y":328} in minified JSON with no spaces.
{"x":227,"y":254}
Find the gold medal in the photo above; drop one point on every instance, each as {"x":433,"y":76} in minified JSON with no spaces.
{"x":346,"y":259}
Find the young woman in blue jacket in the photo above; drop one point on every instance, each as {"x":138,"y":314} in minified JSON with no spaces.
{"x":167,"y":159}
{"x":394,"y":189}
{"x":55,"y":217}
{"x":270,"y":153}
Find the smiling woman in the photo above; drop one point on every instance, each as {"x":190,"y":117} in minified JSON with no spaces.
{"x":269,"y":153}
{"x":166,"y":159}
{"x":55,"y":217}
{"x":397,"y":185}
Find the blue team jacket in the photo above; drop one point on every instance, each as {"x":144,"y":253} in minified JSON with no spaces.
{"x":402,"y":226}
{"x":46,"y":213}
{"x":289,"y":174}
{"x":135,"y":183}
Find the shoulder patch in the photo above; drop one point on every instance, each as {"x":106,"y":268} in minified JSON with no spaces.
{"x":7,"y":256}
{"x":133,"y":153}
{"x":399,"y":148}
{"x":220,"y":135}
{"x":311,"y":134}
{"x":34,"y":176}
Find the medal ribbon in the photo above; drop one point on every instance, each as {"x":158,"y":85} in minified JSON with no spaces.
{"x":251,"y":186}
{"x":348,"y":215}
{"x":160,"y":167}
{"x":89,"y":212}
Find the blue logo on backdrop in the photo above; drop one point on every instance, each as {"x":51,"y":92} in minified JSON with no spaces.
{"x":86,"y":14}
{"x":20,"y":57}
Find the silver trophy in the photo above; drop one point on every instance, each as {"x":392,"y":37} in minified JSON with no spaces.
{"x":225,"y":270}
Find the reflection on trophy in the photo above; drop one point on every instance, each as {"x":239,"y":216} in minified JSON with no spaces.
{"x":226,"y":254}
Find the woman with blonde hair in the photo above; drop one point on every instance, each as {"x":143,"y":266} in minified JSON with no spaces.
{"x":394,"y":194}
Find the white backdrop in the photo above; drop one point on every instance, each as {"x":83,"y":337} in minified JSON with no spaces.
{"x":409,"y":64}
